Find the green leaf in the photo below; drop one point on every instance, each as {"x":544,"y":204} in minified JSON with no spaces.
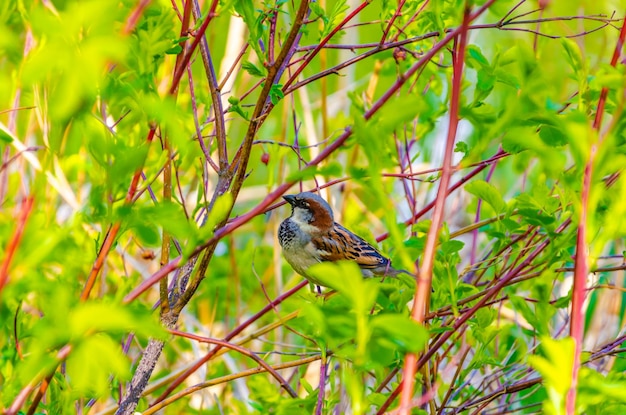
{"x":168,"y":216}
{"x":174,"y":50}
{"x":552,"y":136}
{"x":507,"y":78}
{"x":91,"y":363}
{"x":484,"y":317}
{"x":573,"y":55}
{"x":461,"y":147}
{"x":607,"y":77}
{"x":318,"y":11}
{"x":220,"y":210}
{"x":556,"y":362}
{"x":488,"y":193}
{"x":113,"y":318}
{"x":484,"y":84}
{"x":529,"y":315}
{"x":346,"y":277}
{"x":147,"y":233}
{"x":236,"y":108}
{"x":253,"y":70}
{"x":306,"y":385}
{"x":397,"y":112}
{"x":401,"y":331}
{"x":245,"y":8}
{"x":5,"y":134}
{"x":304,"y":174}
{"x":475,"y":58}
{"x":276,"y":93}
{"x":452,"y":246}
{"x":333,"y":18}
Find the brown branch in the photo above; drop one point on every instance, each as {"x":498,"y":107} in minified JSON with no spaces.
{"x":240,"y":161}
{"x":215,"y":93}
{"x":178,"y":74}
{"x":234,"y":176}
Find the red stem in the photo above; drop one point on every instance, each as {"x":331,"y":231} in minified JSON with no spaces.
{"x":396,"y":14}
{"x":581,"y":265}
{"x":228,"y":337}
{"x":190,"y":50}
{"x":324,"y":41}
{"x":242,"y":350}
{"x":134,"y":17}
{"x":27,"y":205}
{"x":112,"y":233}
{"x":492,"y":292}
{"x":424,"y":278}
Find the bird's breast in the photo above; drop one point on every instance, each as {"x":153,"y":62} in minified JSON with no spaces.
{"x":288,"y":234}
{"x":297,"y":247}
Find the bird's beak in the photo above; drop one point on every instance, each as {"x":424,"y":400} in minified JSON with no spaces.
{"x":291,"y":199}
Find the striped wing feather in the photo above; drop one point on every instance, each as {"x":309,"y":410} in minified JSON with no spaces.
{"x":341,"y":244}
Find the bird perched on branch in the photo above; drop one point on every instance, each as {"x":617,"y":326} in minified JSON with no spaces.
{"x":311,"y":235}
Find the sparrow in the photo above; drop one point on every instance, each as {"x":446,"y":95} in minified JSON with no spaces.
{"x":311,"y":235}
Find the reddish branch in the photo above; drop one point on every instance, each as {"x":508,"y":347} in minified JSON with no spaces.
{"x":424,"y":276}
{"x":322,"y":43}
{"x":283,"y":383}
{"x":180,"y":69}
{"x":229,"y":337}
{"x":134,"y":17}
{"x":489,"y":295}
{"x":396,"y":14}
{"x":112,"y":233}
{"x":21,"y":397}
{"x":11,"y":249}
{"x":581,"y":265}
{"x":319,"y":407}
{"x":480,"y":167}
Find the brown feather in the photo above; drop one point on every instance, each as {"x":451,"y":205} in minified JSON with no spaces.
{"x":341,"y":244}
{"x":322,"y":218}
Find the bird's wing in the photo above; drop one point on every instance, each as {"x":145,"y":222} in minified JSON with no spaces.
{"x":341,"y":244}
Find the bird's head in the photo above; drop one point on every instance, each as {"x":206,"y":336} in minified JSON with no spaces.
{"x":310,"y":210}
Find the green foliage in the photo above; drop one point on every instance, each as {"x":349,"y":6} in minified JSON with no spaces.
{"x":93,"y":119}
{"x":346,"y":326}
{"x":554,"y":366}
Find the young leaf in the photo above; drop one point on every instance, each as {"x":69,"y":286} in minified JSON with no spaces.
{"x":488,"y":193}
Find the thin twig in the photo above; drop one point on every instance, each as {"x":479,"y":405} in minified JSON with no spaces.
{"x":283,"y":383}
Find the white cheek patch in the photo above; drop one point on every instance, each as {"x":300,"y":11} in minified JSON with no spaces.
{"x":310,"y":229}
{"x":301,"y":217}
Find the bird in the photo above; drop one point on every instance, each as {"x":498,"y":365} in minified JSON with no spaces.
{"x":311,"y":235}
